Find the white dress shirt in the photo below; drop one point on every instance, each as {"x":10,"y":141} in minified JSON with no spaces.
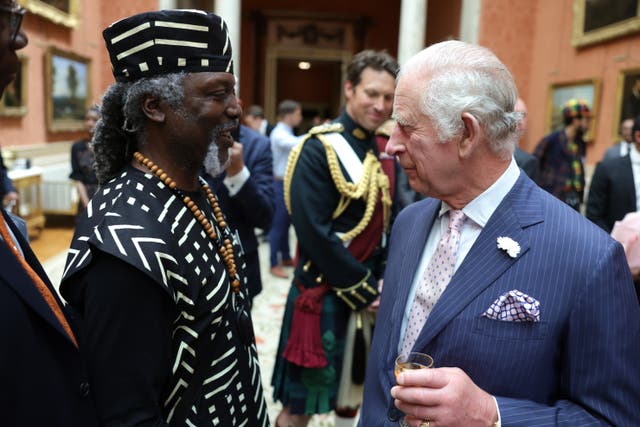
{"x":625,"y":147}
{"x":282,"y":141}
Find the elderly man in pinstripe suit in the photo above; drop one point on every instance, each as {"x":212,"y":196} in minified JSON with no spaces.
{"x":527,"y":308}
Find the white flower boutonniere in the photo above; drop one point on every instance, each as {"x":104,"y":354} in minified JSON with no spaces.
{"x":510,"y":246}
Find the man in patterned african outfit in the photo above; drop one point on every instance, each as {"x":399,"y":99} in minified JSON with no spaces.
{"x":339,"y":188}
{"x":154,"y":273}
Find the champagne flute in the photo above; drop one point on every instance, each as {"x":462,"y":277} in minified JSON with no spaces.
{"x":411,"y":361}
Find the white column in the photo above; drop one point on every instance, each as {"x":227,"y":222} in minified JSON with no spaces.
{"x":413,"y":26}
{"x":230,"y":11}
{"x":470,"y":21}
{"x":166,"y":4}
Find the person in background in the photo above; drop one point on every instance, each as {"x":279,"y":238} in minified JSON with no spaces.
{"x":283,"y":140}
{"x":245,"y":193}
{"x":8,"y":193}
{"x":154,"y":273}
{"x":561,"y":155}
{"x":44,"y":380}
{"x":527,"y":162}
{"x":623,"y":147}
{"x":516,"y":296}
{"x":342,"y":235}
{"x":615,"y":186}
{"x":82,"y":162}
{"x":615,"y":190}
{"x":254,"y":118}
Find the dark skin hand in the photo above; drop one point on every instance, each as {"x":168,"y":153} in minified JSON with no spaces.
{"x":236,"y":163}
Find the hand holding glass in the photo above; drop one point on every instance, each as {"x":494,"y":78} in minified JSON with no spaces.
{"x":412,"y":360}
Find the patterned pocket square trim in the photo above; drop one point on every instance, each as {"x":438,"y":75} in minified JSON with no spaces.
{"x":514,"y":306}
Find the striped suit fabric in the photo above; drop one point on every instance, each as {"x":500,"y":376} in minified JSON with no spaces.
{"x":577,"y":366}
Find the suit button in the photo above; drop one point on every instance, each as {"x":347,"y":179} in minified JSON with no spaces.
{"x":84,"y":389}
{"x":394,"y":414}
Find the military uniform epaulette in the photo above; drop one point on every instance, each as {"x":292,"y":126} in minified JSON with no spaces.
{"x":326,"y":128}
{"x":372,"y":182}
{"x":386,"y":128}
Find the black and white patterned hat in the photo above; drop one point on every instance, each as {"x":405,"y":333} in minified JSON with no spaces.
{"x":168,"y":41}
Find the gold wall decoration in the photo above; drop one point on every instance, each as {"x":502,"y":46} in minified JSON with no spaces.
{"x":627,"y":98}
{"x":61,"y":12}
{"x":560,"y":93}
{"x":14,"y":100}
{"x":597,"y":21}
{"x":67,"y":90}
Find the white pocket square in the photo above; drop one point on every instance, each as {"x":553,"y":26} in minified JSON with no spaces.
{"x":514,"y":306}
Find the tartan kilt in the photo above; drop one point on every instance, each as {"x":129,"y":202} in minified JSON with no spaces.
{"x":308,"y":391}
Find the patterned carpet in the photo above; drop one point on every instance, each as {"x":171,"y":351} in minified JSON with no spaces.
{"x":267,"y":315}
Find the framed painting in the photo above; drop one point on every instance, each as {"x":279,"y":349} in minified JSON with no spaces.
{"x":560,"y":93}
{"x":61,"y":12}
{"x":598,"y":20}
{"x":67,"y":89}
{"x":627,"y":98}
{"x":14,"y":99}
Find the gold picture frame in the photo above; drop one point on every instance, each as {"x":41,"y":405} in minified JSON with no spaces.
{"x":61,"y":12}
{"x":560,"y":93}
{"x":67,"y":90}
{"x":597,"y":21}
{"x":14,"y":100}
{"x":627,"y":99}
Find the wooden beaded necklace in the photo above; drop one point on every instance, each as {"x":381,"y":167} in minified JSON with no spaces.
{"x":225,"y":247}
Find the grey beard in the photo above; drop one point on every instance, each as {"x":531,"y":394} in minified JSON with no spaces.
{"x":212,"y":163}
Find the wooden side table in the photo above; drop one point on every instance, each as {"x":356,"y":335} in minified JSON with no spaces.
{"x":28,"y":182}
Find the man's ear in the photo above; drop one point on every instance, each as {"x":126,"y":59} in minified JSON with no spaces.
{"x":471,"y":134}
{"x":348,"y":89}
{"x":152,"y":108}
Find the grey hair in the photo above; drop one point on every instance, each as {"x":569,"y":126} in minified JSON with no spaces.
{"x":120,"y":131}
{"x":465,"y":78}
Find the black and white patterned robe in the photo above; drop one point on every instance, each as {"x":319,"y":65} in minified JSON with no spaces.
{"x":140,"y":221}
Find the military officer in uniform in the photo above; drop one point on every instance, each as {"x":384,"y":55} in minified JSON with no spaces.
{"x":339,"y":187}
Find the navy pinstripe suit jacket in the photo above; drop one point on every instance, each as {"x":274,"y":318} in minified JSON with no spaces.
{"x":580,"y":365}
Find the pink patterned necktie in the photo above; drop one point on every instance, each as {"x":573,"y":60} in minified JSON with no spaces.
{"x":434,"y":280}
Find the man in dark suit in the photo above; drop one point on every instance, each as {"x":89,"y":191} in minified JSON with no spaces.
{"x":621,"y":149}
{"x":245,"y":194}
{"x":254,"y":118}
{"x":526,"y":307}
{"x":527,"y":162}
{"x":612,"y":194}
{"x":42,"y":375}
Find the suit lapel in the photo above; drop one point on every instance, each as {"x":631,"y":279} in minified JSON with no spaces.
{"x":485,"y":262}
{"x":627,"y":180}
{"x":16,"y":277}
{"x":416,"y":237}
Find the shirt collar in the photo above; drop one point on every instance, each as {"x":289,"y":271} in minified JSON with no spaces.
{"x":480,"y":209}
